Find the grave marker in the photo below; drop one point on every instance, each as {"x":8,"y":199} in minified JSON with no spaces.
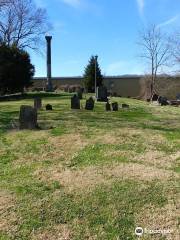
{"x":37,"y":103}
{"x":108,"y":106}
{"x":28,"y":118}
{"x":89,"y":104}
{"x":75,"y":102}
{"x":49,"y":107}
{"x":102,"y":94}
{"x":115,"y":106}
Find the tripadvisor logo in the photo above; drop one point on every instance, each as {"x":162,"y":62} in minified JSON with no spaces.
{"x":139,"y":231}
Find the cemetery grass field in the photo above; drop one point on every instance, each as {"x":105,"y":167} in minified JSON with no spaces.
{"x":89,"y":175}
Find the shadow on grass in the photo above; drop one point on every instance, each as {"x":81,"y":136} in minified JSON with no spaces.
{"x":19,"y":97}
{"x":48,"y":95}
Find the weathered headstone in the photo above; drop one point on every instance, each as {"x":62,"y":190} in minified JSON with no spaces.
{"x":175,"y":103}
{"x":49,"y":107}
{"x":115,"y":106}
{"x":28,"y":117}
{"x":102,"y":94}
{"x":125,"y":105}
{"x":155,"y":97}
{"x":75,"y":102}
{"x":163,"y":101}
{"x":108,"y":106}
{"x":37,"y":103}
{"x":89,"y":104}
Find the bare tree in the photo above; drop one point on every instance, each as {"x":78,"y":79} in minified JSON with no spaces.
{"x":175,"y":43}
{"x":22,"y":23}
{"x":3,"y":2}
{"x":145,"y":87}
{"x":156,"y":51}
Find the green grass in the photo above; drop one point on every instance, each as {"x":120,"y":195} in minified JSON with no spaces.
{"x":34,"y":164}
{"x":107,"y":213}
{"x":98,"y":154}
{"x":58,"y":131}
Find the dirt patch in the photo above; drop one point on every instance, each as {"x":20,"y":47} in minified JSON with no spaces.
{"x":67,"y":145}
{"x":158,"y":159}
{"x":119,"y":136}
{"x":74,"y":179}
{"x":7,"y":212}
{"x":59,"y":148}
{"x":140,"y":172}
{"x":91,"y":176}
{"x":60,"y":232}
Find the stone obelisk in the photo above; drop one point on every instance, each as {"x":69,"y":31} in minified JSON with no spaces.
{"x":49,"y":87}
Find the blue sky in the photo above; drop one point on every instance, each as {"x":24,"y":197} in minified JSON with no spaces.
{"x":108,"y":28}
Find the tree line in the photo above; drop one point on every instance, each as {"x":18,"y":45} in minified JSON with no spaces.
{"x":22,"y":27}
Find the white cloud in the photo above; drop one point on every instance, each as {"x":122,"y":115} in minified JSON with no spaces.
{"x":141,"y":4}
{"x":72,"y":3}
{"x":168,"y":22}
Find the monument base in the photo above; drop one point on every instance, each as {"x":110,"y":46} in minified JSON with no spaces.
{"x":49,"y":87}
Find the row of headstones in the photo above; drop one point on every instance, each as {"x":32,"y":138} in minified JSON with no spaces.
{"x":114,"y":106}
{"x":75,"y":104}
{"x":28,"y":114}
{"x":163,"y":101}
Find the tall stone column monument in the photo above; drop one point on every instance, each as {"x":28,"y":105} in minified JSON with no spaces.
{"x":49,"y":86}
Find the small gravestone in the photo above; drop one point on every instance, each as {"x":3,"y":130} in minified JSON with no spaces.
{"x":125,"y":105}
{"x":49,"y":107}
{"x":89,"y":104}
{"x":175,"y":103}
{"x":80,"y":93}
{"x":155,"y":97}
{"x":108,"y":106}
{"x":102,"y":94}
{"x":115,"y":106}
{"x":75,"y":102}
{"x":37,"y":103}
{"x":28,"y":118}
{"x":163,"y":101}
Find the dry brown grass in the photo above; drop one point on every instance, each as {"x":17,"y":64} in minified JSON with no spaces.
{"x":118,"y":136}
{"x":59,"y":232}
{"x":90,"y":177}
{"x":49,"y":158}
{"x":157,"y":159}
{"x":159,"y":218}
{"x":7,"y":212}
{"x":66,"y":146}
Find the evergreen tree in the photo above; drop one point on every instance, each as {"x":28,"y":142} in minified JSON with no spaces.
{"x":89,"y":75}
{"x":16,"y":70}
